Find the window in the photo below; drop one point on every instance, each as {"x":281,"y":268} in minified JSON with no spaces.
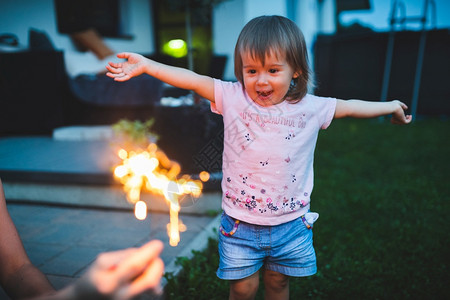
{"x":170,"y":28}
{"x":80,"y":15}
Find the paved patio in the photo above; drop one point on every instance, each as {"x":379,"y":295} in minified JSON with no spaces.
{"x":63,"y":238}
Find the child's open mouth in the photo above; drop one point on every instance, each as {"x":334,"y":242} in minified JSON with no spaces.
{"x":264,"y":94}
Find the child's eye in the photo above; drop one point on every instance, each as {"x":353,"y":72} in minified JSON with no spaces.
{"x":273,"y":71}
{"x":251,"y":71}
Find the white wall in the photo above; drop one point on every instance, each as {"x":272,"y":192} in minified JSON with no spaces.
{"x":230,"y":16}
{"x":327,"y":17}
{"x":306,"y":18}
{"x":228,"y":19}
{"x":17,"y":17}
{"x":255,"y":8}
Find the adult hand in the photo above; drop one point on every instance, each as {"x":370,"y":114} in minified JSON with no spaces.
{"x":122,"y":274}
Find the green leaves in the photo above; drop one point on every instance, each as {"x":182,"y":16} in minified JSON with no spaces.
{"x":135,"y":132}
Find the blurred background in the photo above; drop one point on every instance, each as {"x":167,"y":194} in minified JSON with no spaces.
{"x":57,"y":107}
{"x":70,"y":43}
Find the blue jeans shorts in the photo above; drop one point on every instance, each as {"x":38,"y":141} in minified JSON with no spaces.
{"x":286,"y":248}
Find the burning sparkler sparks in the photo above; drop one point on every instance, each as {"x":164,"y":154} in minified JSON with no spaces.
{"x":152,"y":170}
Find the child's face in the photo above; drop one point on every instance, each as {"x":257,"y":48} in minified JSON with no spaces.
{"x":267,"y":85}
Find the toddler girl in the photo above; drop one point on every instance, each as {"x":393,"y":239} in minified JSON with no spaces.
{"x":271,"y":127}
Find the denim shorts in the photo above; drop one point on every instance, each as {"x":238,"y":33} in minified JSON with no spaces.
{"x":286,"y":248}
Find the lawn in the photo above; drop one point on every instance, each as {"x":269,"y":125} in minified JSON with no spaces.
{"x":382,"y":192}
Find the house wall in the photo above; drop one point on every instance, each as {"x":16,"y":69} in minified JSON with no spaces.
{"x":230,"y":16}
{"x":228,"y":19}
{"x":17,"y":17}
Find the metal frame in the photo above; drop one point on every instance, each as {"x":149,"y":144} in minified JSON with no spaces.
{"x":402,"y":19}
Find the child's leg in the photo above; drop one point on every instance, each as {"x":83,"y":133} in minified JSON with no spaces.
{"x":240,"y":257}
{"x":246,"y":288}
{"x":276,"y":285}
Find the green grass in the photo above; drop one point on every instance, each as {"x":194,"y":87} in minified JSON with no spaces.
{"x":382,"y":192}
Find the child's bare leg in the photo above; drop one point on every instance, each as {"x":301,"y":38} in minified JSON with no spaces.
{"x":245,"y":288}
{"x":276,"y":284}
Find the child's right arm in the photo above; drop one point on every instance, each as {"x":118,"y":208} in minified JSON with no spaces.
{"x":136,"y":65}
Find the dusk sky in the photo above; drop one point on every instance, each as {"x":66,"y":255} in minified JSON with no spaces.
{"x":378,"y":16}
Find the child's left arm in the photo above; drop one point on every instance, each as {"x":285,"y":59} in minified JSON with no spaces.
{"x":371,"y":109}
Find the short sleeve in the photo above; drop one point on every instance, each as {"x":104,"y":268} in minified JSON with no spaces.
{"x":325,"y":109}
{"x":231,"y":91}
{"x":217,"y":105}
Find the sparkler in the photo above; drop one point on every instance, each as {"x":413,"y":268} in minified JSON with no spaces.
{"x":152,"y":170}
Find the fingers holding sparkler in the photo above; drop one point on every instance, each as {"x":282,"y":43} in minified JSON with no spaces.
{"x":126,"y":273}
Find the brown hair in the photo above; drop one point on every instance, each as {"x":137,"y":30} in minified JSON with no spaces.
{"x":275,"y":35}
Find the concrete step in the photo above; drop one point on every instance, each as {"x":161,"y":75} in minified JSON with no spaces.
{"x":103,"y":196}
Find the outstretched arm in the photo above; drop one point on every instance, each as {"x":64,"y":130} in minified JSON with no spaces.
{"x":136,"y":65}
{"x":371,"y":109}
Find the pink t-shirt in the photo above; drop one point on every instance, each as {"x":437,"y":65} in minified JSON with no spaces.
{"x":268,"y":154}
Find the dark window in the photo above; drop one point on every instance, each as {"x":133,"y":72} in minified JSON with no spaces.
{"x":102,"y":15}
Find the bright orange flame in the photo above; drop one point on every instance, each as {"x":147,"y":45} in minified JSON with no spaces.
{"x":152,"y":170}
{"x":204,"y":176}
{"x":140,"y":210}
{"x":122,"y":153}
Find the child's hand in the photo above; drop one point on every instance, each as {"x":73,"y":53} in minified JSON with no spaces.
{"x":134,"y":66}
{"x":399,"y":116}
